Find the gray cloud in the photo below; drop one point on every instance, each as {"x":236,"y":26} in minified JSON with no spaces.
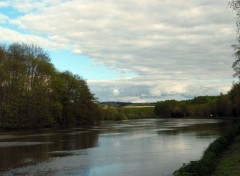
{"x":170,"y":45}
{"x":151,"y":90}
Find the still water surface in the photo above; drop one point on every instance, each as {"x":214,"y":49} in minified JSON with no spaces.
{"x":128,"y":148}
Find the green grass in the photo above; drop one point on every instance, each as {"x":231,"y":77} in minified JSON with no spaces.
{"x":229,"y":163}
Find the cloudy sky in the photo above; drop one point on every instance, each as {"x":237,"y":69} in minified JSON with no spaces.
{"x":131,"y":50}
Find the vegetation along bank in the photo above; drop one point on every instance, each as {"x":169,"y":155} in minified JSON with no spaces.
{"x":210,"y":160}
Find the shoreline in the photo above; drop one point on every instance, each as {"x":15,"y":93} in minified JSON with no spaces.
{"x":12,"y":129}
{"x":211,"y":157}
{"x":229,"y":162}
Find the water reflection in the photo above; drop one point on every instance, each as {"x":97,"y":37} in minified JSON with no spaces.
{"x":135,"y":148}
{"x":28,"y":148}
{"x":200,"y":128}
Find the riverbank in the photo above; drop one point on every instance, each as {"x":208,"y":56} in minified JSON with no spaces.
{"x":212,"y":158}
{"x":229,"y":162}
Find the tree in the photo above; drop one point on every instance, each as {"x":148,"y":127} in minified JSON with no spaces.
{"x":165,"y":108}
{"x":33,"y":94}
{"x":234,"y":95}
{"x":235,"y":5}
{"x":224,"y":107}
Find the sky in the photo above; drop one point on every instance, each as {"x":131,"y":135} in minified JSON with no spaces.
{"x":131,"y":50}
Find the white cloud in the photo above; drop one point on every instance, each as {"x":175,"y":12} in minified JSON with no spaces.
{"x":115,"y":91}
{"x":3,"y":4}
{"x":169,"y":44}
{"x":27,"y":6}
{"x":8,"y":35}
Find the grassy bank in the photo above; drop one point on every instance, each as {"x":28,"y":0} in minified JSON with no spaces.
{"x":229,"y":163}
{"x":209,"y":162}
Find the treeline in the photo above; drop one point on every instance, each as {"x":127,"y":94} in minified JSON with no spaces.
{"x":227,"y":105}
{"x":126,"y":113}
{"x":124,"y":104}
{"x":34,"y":94}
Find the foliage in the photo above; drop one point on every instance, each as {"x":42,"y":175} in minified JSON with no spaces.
{"x":138,"y":112}
{"x":207,"y":164}
{"x":124,"y":113}
{"x":33,"y":94}
{"x":234,"y":96}
{"x":235,"y":5}
{"x":125,"y":104}
{"x":203,"y":106}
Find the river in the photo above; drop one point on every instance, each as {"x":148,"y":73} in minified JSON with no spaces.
{"x":151,"y":147}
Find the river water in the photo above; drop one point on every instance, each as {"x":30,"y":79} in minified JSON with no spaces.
{"x":152,"y":147}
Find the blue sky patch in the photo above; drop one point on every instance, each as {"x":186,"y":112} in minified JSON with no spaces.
{"x":83,"y":66}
